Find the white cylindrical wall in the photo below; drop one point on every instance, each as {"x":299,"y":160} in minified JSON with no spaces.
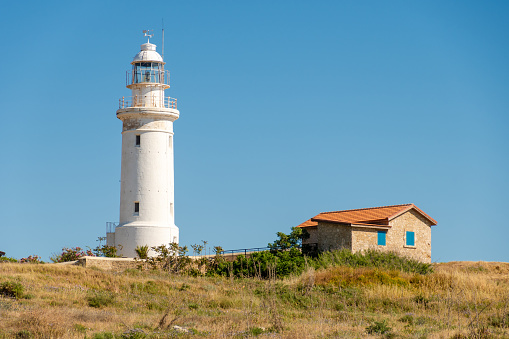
{"x":147,"y":177}
{"x":133,"y":236}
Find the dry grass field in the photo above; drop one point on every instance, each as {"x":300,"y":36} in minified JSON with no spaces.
{"x":458,"y":300}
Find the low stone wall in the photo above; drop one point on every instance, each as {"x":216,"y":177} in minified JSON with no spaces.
{"x":108,"y":263}
{"x":125,"y":263}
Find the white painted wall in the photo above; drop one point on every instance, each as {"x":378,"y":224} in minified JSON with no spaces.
{"x":146,"y":177}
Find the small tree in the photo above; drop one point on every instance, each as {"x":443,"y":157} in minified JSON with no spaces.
{"x":289,"y":241}
{"x":172,"y":258}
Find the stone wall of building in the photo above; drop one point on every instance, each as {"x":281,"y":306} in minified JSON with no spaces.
{"x":332,"y":236}
{"x":313,"y":235}
{"x":364,"y":238}
{"x":414,"y":222}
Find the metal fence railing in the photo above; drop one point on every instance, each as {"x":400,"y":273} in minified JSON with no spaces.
{"x":147,"y":101}
{"x":110,"y":226}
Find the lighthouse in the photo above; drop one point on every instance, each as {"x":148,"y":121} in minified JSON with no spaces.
{"x":147,"y":215}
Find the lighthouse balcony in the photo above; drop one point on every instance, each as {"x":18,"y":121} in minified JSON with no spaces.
{"x":147,"y":101}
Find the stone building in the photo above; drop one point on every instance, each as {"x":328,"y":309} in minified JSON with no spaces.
{"x":404,"y":229}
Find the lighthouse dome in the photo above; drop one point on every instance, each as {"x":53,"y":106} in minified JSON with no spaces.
{"x":148,"y":53}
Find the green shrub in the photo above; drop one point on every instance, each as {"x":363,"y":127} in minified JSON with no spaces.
{"x":80,"y":328}
{"x":255,"y":331}
{"x":134,"y":333}
{"x":100,"y":299}
{"x":142,"y":251}
{"x":8,"y":259}
{"x":71,"y":254}
{"x":103,"y":335}
{"x":11,"y":289}
{"x":106,"y":251}
{"x":378,"y":327}
{"x":500,"y":321}
{"x":24,"y":334}
{"x":370,"y":258}
{"x":407,"y":318}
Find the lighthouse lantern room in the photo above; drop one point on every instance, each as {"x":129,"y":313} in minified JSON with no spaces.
{"x":146,"y":190}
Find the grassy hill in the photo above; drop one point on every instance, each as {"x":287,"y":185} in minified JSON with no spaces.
{"x":457,"y":300}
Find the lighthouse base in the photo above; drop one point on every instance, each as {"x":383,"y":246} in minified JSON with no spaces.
{"x":127,"y":238}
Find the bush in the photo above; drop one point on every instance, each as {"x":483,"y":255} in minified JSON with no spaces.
{"x":370,"y":258}
{"x":11,"y":289}
{"x":106,"y":251}
{"x":135,"y":333}
{"x":32,"y":259}
{"x":7,"y":259}
{"x":103,"y":335}
{"x":379,"y":327}
{"x":170,"y":258}
{"x":142,"y":251}
{"x":71,"y":254}
{"x":99,"y":299}
{"x":24,"y":334}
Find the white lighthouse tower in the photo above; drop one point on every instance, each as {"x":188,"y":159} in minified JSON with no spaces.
{"x":146,"y":190}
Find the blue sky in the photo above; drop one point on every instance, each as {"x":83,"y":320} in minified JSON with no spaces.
{"x":288,"y":109}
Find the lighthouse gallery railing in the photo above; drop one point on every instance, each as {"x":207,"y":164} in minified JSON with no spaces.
{"x":147,"y":101}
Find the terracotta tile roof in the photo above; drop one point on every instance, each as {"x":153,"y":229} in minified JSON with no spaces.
{"x":308,"y":223}
{"x":374,"y":215}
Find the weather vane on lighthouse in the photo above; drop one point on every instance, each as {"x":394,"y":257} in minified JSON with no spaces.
{"x":147,"y":185}
{"x":147,"y":33}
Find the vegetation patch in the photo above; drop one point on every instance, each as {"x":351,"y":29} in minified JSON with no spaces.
{"x":11,"y":289}
{"x":100,"y":299}
{"x":378,"y":327}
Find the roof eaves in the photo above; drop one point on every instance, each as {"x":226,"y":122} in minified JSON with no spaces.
{"x":331,"y":221}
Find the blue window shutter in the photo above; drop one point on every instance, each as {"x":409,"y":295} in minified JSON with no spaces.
{"x":410,"y":238}
{"x":381,"y":238}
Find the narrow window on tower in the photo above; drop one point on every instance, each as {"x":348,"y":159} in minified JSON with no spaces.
{"x":137,"y":140}
{"x":136,"y":208}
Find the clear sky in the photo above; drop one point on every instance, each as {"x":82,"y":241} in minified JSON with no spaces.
{"x":287,"y":109}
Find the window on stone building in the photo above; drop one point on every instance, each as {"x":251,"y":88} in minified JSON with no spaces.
{"x":138,"y":139}
{"x":136,"y":207}
{"x":382,"y":238}
{"x":410,"y":238}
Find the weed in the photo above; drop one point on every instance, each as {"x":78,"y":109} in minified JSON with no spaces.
{"x":378,"y":327}
{"x":255,"y":331}
{"x":134,"y":333}
{"x":11,"y":289}
{"x":100,"y":299}
{"x":193,"y":306}
{"x":407,"y":318}
{"x":24,"y":334}
{"x":421,"y":300}
{"x":103,"y":335}
{"x":80,"y":328}
{"x":500,"y":321}
{"x":184,"y":287}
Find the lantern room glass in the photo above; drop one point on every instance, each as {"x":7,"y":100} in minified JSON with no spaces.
{"x":147,"y":72}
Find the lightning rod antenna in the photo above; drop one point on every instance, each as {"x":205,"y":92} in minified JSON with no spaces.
{"x":162,"y":25}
